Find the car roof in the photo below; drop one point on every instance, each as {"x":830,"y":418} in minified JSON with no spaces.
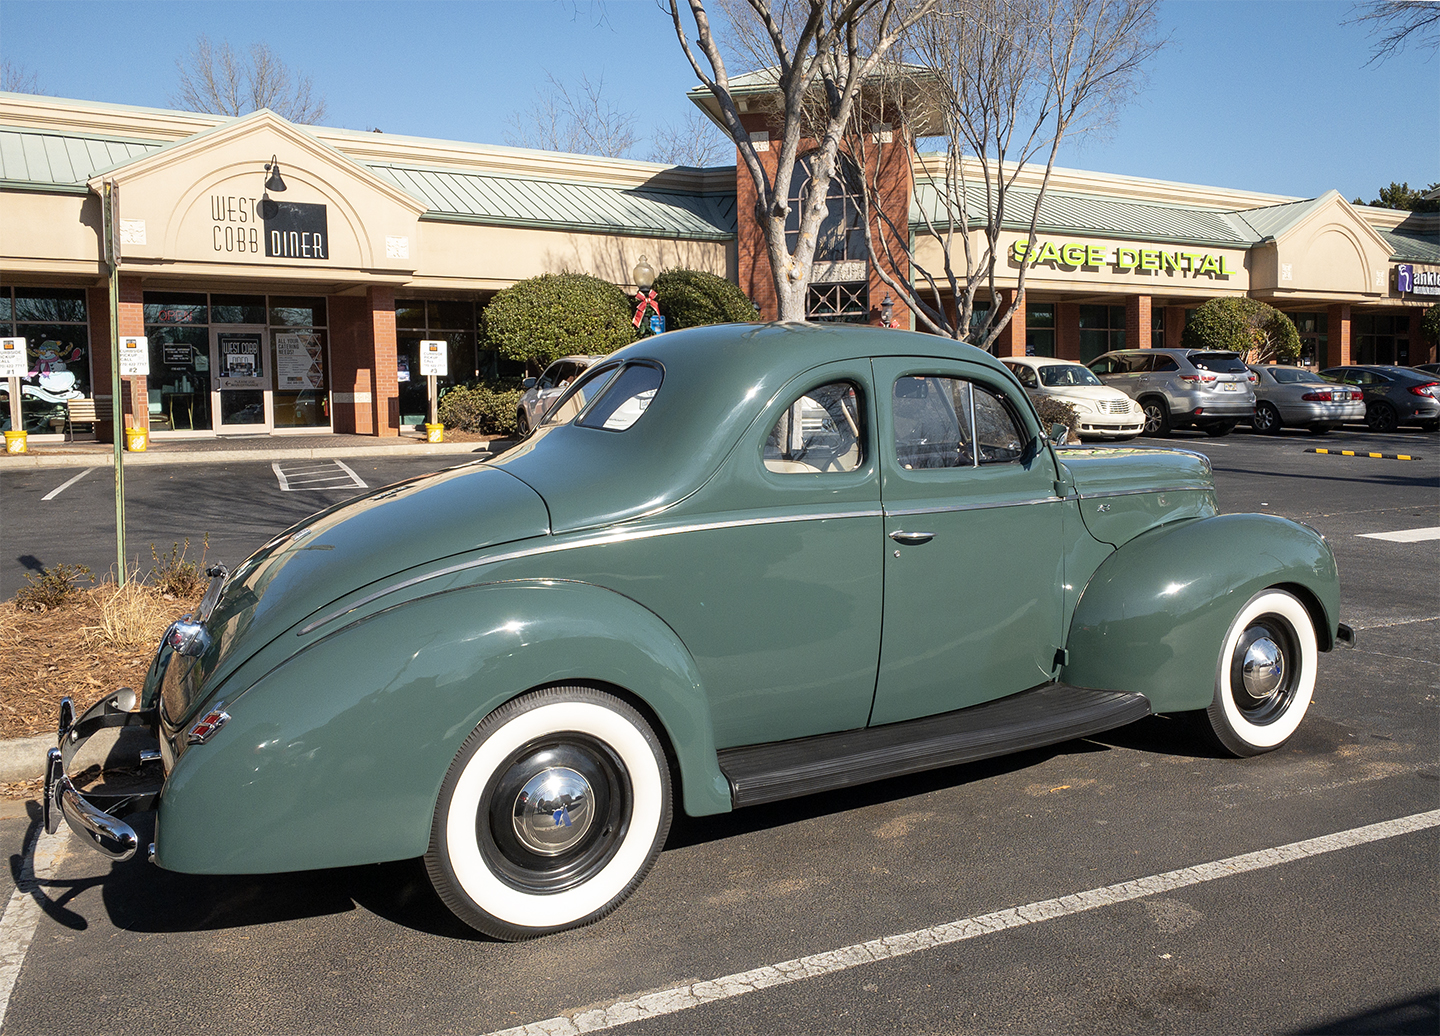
{"x":585,"y":358}
{"x":717,"y":380}
{"x":1036,"y":361}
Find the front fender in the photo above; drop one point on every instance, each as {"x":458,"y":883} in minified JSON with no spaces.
{"x":1154,"y":614}
{"x":335,"y":757}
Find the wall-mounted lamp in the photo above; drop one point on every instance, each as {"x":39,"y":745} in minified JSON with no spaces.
{"x":268,"y":207}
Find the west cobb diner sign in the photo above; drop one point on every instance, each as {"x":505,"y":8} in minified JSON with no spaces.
{"x":1124,"y":260}
{"x":276,"y":229}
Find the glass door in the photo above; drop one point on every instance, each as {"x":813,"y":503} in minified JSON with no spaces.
{"x":242,"y":383}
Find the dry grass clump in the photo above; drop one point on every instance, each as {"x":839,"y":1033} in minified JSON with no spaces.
{"x":93,"y":640}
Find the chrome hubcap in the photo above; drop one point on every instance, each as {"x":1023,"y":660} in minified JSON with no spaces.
{"x":553,"y":810}
{"x":1263,"y":669}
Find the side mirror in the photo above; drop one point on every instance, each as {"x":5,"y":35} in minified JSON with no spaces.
{"x":528,"y":383}
{"x":1059,"y":433}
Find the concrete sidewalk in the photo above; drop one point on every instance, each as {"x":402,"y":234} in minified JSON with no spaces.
{"x":232,"y":449}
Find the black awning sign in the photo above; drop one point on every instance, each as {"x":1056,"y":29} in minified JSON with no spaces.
{"x":297,"y":231}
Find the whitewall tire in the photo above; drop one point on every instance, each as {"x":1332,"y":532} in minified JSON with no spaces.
{"x":551,"y":814}
{"x":1265,"y":675}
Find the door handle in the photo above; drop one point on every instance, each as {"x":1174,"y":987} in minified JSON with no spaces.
{"x":911,"y":538}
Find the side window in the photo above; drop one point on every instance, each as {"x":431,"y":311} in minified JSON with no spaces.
{"x":577,"y":395}
{"x":1166,"y":363}
{"x":625,"y":400}
{"x":822,"y":431}
{"x":1026,"y":375}
{"x":547,"y":380}
{"x":1105,"y":365}
{"x":939,"y":422}
{"x":1138,"y":363}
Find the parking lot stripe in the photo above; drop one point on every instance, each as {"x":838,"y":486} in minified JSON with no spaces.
{"x":41,"y":858}
{"x":1377,"y":456}
{"x":1404,"y":535}
{"x":697,"y":994}
{"x":64,"y":486}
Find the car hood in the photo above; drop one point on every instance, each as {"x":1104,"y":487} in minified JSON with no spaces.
{"x":355,"y":545}
{"x":1091,"y":393}
{"x":1125,"y":491}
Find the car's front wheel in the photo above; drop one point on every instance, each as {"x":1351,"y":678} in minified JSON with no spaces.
{"x":1267,"y":419}
{"x":1157,"y":418}
{"x":522,"y":423}
{"x":1265,"y":675}
{"x":552,"y":813}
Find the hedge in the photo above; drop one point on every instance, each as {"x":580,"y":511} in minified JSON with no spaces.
{"x":693,"y":298}
{"x":480,"y":408}
{"x":556,"y":314}
{"x":1259,"y":333}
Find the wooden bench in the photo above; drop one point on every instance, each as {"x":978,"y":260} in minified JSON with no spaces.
{"x":85,"y":411}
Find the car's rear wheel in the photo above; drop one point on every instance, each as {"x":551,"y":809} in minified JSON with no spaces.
{"x":552,"y":813}
{"x":1220,"y":428}
{"x":1157,"y":418}
{"x":522,"y":423}
{"x":1381,"y":417}
{"x":1267,"y":419}
{"x":1265,"y":675}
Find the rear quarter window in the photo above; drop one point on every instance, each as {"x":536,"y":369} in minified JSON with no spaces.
{"x":1218,"y":363}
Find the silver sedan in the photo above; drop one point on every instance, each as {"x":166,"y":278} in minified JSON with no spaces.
{"x":1296,"y":396}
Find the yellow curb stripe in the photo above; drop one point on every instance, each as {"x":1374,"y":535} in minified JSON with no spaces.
{"x":1376,"y":456}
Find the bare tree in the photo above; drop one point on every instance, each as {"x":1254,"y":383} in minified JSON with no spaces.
{"x":1397,"y":23}
{"x":578,"y":119}
{"x":1005,"y":82}
{"x":18,"y":79}
{"x":217,"y":80}
{"x":820,"y":54}
{"x":693,"y":141}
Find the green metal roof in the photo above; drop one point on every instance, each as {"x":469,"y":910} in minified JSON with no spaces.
{"x":1084,"y":214}
{"x":1412,"y":247}
{"x":56,"y":160}
{"x":533,"y":202}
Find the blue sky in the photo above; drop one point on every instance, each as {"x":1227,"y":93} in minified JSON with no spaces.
{"x":1266,"y":95}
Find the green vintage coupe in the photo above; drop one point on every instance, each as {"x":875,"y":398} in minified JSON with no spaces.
{"x":734,"y":564}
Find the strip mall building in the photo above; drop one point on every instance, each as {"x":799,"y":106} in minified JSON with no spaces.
{"x":303,"y":311}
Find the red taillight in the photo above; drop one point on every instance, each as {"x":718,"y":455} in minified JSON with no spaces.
{"x":1322,"y":396}
{"x":1253,"y":378}
{"x":1424,"y":390}
{"x":1202,"y":378}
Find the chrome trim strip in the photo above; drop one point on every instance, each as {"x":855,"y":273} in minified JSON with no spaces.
{"x":972,"y":507}
{"x":1144,"y":492}
{"x":591,"y":541}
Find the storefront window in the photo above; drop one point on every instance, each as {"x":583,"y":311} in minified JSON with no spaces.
{"x":297,"y":312}
{"x":237,"y":309}
{"x":176,"y":308}
{"x":1102,"y":329}
{"x":1312,"y":328}
{"x":57,"y":346}
{"x":1040,"y":330}
{"x":417,"y":320}
{"x":841,"y":235}
{"x":1381,"y":338}
{"x":1157,"y":327}
{"x":298,"y":351}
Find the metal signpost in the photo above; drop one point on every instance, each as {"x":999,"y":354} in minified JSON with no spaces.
{"x":109,"y":211}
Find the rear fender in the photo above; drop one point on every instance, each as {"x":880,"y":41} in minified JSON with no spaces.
{"x":1154,"y":614}
{"x":336,"y":757}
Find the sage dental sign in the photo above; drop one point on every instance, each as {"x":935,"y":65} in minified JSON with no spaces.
{"x":284,"y":230}
{"x":1121,"y":259}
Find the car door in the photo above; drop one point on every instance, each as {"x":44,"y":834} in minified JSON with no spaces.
{"x":974,"y":541}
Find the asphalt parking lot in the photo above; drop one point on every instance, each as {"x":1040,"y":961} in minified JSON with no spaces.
{"x":1033,"y":893}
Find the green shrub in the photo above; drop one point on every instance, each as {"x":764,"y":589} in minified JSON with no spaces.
{"x":1430,"y":325}
{"x":693,"y":298}
{"x":175,"y":574}
{"x":1259,"y":333}
{"x":481,"y":408}
{"x":52,"y":588}
{"x":1053,"y":410}
{"x":557,"y":314}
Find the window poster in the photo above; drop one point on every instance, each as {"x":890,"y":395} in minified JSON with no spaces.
{"x":242,"y":363}
{"x":299,"y":361}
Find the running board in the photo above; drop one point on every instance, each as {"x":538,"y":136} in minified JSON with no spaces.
{"x":1042,"y":716}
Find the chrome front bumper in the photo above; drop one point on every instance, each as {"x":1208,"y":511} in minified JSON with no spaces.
{"x":96,"y":816}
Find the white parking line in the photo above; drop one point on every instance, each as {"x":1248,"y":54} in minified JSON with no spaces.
{"x":64,"y":486}
{"x":1403,"y":536}
{"x":301,"y":475}
{"x":42,"y":856}
{"x":697,"y":994}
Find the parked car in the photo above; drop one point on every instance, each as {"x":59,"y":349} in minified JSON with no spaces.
{"x":539,"y":393}
{"x":1177,"y":388}
{"x":1393,"y":395}
{"x":672,"y":593}
{"x":1428,"y":368}
{"x":1296,"y":396}
{"x":1102,"y":412}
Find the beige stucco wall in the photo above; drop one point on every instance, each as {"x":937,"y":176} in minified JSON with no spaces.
{"x":50,"y":235}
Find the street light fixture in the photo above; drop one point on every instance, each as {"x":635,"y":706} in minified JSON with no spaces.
{"x":887,"y":311}
{"x":644,"y":277}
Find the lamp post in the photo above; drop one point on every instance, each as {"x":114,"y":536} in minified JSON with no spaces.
{"x":887,"y":311}
{"x":644,"y":277}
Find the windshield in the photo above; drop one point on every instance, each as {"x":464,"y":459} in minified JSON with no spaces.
{"x":574,"y":400}
{"x":1060,"y":374}
{"x":1293,"y":376}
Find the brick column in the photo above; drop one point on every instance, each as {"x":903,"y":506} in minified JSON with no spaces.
{"x":1011,"y":341}
{"x":1067,"y":331}
{"x":1337,"y":337}
{"x":385,"y":390}
{"x":1174,"y":326}
{"x":1138,"y":321}
{"x":135,"y":398}
{"x":352,"y":408}
{"x":752,"y":261}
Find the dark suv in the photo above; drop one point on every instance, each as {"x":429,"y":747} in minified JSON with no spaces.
{"x":1210,"y":389}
